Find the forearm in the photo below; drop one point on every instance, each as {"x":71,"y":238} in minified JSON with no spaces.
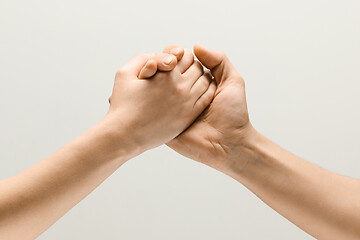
{"x":324,"y":204}
{"x":33,"y":200}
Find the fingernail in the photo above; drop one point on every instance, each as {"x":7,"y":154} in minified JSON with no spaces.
{"x":175,"y":51}
{"x":167,"y":60}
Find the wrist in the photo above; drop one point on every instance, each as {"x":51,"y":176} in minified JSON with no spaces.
{"x":246,"y":151}
{"x":255,"y":161}
{"x":109,"y":142}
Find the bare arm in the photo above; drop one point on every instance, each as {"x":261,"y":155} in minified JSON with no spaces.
{"x":33,"y":200}
{"x":324,"y":204}
{"x":141,"y":116}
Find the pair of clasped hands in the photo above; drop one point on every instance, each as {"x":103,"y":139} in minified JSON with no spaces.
{"x":194,"y":106}
{"x":171,"y":98}
{"x":157,"y":98}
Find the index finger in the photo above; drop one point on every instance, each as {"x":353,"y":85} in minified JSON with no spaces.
{"x":175,"y":50}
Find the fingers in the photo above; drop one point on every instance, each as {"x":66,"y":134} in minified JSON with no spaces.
{"x":148,"y":70}
{"x":185,"y":62}
{"x":135,"y":64}
{"x":162,"y":62}
{"x":165,"y":62}
{"x":220,"y":66}
{"x":193,"y":73}
{"x":206,"y":98}
{"x":201,"y":85}
{"x":175,"y":50}
{"x":209,"y":58}
{"x":141,"y":65}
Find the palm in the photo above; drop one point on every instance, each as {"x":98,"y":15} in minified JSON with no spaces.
{"x":209,"y":137}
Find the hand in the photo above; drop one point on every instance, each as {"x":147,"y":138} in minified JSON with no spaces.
{"x":223,"y":138}
{"x":224,"y":124}
{"x":162,"y":62}
{"x":155,"y":111}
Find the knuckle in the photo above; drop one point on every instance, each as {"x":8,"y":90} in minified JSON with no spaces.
{"x":206,"y":98}
{"x":168,"y":48}
{"x":120,"y":73}
{"x":241,"y":80}
{"x":188,"y":53}
{"x":191,"y":54}
{"x":171,"y":46}
{"x":178,"y":90}
{"x":152,"y":55}
{"x":222,"y":54}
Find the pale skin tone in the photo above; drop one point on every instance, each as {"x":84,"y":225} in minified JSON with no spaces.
{"x":143,"y":114}
{"x":323,"y":204}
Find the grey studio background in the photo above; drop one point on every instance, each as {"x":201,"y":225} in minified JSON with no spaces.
{"x":300,"y":61}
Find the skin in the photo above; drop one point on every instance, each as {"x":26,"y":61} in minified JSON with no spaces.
{"x":143,"y":114}
{"x":323,"y":204}
{"x":162,"y":62}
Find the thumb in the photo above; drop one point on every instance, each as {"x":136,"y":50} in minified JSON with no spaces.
{"x":219,"y":65}
{"x":135,"y":64}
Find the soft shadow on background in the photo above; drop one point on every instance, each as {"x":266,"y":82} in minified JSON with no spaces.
{"x":300,"y":61}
